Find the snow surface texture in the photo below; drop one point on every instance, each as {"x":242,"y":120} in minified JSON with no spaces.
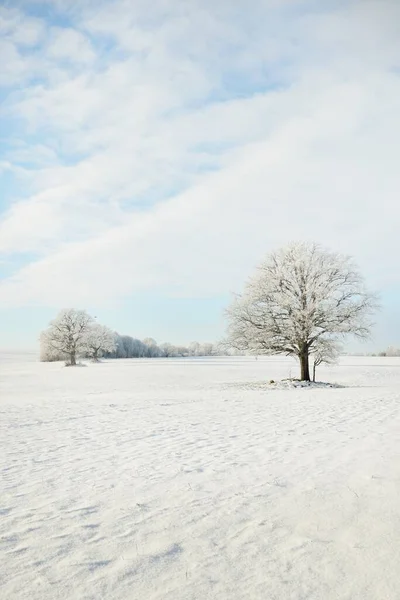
{"x":160,"y":479}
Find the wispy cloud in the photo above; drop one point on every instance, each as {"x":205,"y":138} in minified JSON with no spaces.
{"x":170,"y":148}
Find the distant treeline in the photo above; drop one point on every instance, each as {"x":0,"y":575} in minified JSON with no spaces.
{"x":129,"y":347}
{"x":75,"y":334}
{"x":390,"y":351}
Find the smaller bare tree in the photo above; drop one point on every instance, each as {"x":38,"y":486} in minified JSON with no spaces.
{"x":66,"y":335}
{"x":326,"y":351}
{"x":99,"y":339}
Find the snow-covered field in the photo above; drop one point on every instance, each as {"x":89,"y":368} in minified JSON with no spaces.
{"x":185,"y":479}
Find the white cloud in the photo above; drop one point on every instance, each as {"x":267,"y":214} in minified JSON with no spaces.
{"x":17,"y":33}
{"x":175,"y":97}
{"x":32,"y":154}
{"x":13,"y":66}
{"x":69,"y":44}
{"x":20,"y":29}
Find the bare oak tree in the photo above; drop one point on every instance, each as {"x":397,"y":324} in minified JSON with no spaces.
{"x":67,"y":333}
{"x":299,"y":296}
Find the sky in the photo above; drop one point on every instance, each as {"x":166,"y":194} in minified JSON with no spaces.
{"x":151,"y":155}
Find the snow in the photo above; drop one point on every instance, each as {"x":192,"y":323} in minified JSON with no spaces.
{"x":170,"y":479}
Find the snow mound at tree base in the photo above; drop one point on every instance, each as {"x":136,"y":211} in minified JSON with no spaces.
{"x":286,"y":384}
{"x":78,"y":364}
{"x":296,"y":383}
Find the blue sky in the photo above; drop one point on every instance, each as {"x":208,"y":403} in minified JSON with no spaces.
{"x":150,"y":157}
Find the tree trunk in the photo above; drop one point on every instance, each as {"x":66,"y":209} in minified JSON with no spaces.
{"x":304,"y":366}
{"x":72,"y":358}
{"x":314,"y":369}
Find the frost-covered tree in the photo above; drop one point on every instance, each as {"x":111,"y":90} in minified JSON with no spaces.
{"x":182,"y":351}
{"x":392,"y":351}
{"x":300,"y":295}
{"x":48,"y":354}
{"x":99,"y":340}
{"x":152,"y":350}
{"x":66,"y":335}
{"x":207,"y":349}
{"x":325,"y":351}
{"x":138,"y":348}
{"x":194,"y":349}
{"x":168,"y":350}
{"x":128,"y":345}
{"x":119,"y":351}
